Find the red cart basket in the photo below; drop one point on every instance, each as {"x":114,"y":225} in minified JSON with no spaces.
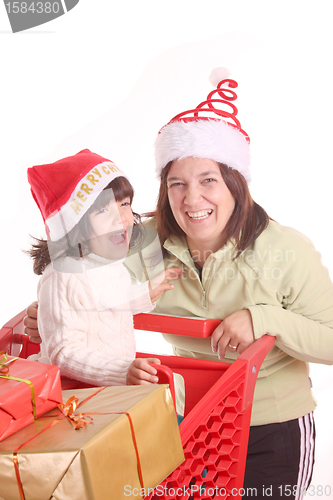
{"x":218,"y":404}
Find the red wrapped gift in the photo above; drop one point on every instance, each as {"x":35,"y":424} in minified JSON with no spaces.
{"x":28,"y":389}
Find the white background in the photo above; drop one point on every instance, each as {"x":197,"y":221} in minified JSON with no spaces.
{"x":108,"y":75}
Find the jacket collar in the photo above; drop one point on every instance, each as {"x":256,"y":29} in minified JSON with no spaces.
{"x":178,"y":247}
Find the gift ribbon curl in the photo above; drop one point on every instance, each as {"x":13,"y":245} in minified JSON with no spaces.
{"x":4,"y":362}
{"x":68,"y":409}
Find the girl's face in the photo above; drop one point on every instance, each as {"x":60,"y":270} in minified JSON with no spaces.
{"x":200,"y":201}
{"x":112,"y":228}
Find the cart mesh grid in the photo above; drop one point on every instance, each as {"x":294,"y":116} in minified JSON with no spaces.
{"x":214,"y":437}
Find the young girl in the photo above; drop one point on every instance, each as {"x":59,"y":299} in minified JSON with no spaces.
{"x":85,"y":295}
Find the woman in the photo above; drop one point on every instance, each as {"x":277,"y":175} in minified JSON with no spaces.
{"x":256,"y":275}
{"x":247,"y":270}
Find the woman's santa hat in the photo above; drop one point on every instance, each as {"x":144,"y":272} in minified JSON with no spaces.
{"x":66,"y":189}
{"x":211,"y":130}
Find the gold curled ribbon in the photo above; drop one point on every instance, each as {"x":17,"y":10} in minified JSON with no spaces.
{"x":4,"y":362}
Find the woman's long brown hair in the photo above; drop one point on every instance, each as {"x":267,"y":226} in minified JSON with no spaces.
{"x":246,"y":223}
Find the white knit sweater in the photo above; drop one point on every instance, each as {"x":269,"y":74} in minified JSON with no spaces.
{"x":85,"y":318}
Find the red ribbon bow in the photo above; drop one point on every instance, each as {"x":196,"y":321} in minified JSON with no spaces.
{"x":68,"y":409}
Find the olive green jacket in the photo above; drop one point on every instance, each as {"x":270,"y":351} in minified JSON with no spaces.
{"x":280,"y":279}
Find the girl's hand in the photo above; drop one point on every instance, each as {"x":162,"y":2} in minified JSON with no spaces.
{"x":30,"y":323}
{"x":160,"y":283}
{"x":235,"y":333}
{"x":140,"y":372}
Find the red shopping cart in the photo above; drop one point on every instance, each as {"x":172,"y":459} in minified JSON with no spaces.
{"x":218,"y":406}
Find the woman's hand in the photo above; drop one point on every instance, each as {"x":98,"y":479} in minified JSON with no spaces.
{"x":235,"y":333}
{"x":30,"y":323}
{"x":160,"y":283}
{"x":140,"y":372}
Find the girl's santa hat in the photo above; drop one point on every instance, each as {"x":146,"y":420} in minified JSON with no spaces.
{"x":211,"y":130}
{"x":66,"y":189}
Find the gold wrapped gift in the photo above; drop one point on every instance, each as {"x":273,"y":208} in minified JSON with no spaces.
{"x":101,"y":461}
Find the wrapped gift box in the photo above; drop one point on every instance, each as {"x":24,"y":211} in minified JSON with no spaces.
{"x":16,"y":398}
{"x":98,"y":461}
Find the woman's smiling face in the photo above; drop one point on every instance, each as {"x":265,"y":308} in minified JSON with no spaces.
{"x":200,"y":201}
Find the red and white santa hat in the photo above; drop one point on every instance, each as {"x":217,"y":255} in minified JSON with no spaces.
{"x":66,"y":189}
{"x":211,"y":130}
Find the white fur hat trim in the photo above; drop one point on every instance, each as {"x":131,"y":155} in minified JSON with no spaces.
{"x":203,"y":138}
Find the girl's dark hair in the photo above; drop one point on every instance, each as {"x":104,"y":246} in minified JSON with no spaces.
{"x":68,"y":245}
{"x":246,"y":223}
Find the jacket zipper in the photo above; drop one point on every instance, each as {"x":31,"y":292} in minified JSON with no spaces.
{"x":204,"y":297}
{"x":208,"y":282}
{"x":198,"y":278}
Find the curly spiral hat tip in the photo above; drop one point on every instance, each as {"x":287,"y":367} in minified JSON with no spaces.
{"x":211,"y":130}
{"x":217,"y":75}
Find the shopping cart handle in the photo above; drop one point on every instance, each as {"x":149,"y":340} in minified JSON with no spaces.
{"x":165,"y":376}
{"x":254,"y":356}
{"x":176,"y":325}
